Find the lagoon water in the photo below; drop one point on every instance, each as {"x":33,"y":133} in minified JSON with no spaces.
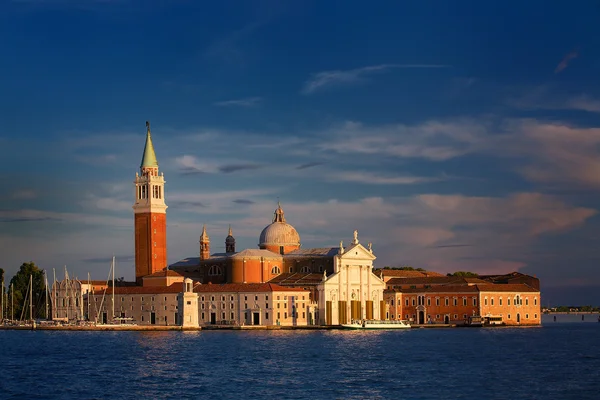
{"x":555,"y":361}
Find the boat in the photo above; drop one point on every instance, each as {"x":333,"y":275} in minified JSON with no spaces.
{"x":376,"y":324}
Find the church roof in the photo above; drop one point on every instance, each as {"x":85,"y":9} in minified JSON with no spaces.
{"x":164,"y":273}
{"x":298,"y":278}
{"x":149,"y":158}
{"x":317,"y":252}
{"x":255,"y":253}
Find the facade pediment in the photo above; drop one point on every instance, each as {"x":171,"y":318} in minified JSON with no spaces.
{"x":357,"y":252}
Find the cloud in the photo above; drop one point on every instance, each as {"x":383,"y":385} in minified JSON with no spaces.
{"x":108,"y":259}
{"x":24,"y":194}
{"x":431,"y":140}
{"x":309,"y":165}
{"x":227,"y":169}
{"x":243,"y":201}
{"x":246,"y":102}
{"x":547,"y":97}
{"x":564,"y":63}
{"x":378,"y":179}
{"x":190,"y":165}
{"x":321,"y":80}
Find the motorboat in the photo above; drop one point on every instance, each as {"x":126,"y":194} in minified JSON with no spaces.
{"x":376,"y":324}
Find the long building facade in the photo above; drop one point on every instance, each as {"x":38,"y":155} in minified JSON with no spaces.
{"x":280,"y":283}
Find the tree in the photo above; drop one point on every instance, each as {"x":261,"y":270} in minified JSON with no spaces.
{"x":20,"y":287}
{"x":404,"y":268}
{"x":464,"y":274}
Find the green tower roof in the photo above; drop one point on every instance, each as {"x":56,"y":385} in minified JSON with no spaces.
{"x":149,"y":157}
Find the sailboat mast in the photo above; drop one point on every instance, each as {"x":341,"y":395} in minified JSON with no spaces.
{"x":113,"y":287}
{"x":12,"y":303}
{"x":88,"y":297}
{"x":54,"y":303}
{"x":67,"y":291}
{"x":31,"y":297}
{"x":46,"y":292}
{"x":2,"y":303}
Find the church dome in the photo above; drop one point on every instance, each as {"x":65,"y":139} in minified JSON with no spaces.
{"x":279,"y":233}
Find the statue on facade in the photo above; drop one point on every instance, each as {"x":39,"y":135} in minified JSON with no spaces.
{"x":355,"y":236}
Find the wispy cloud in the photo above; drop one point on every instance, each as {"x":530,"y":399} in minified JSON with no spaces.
{"x":243,"y":201}
{"x":310,"y":165}
{"x":190,"y":165}
{"x":246,"y":102}
{"x":24,"y":194}
{"x":378,"y":179}
{"x":323,"y":79}
{"x":564,"y":63}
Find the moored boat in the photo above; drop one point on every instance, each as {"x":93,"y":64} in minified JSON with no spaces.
{"x":376,"y":324}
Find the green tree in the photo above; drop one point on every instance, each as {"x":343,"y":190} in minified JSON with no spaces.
{"x":464,"y":274}
{"x":20,"y":287}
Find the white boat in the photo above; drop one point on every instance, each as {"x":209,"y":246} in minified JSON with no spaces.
{"x":376,"y":324}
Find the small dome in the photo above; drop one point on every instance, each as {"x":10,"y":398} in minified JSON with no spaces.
{"x":279,"y":233}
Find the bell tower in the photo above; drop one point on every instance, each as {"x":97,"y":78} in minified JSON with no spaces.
{"x":150,"y":213}
{"x":204,"y":245}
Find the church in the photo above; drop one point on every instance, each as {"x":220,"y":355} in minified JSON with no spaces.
{"x":338,"y":282}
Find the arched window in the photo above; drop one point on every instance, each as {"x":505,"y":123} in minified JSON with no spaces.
{"x":305,"y":269}
{"x":275,"y":270}
{"x":215,"y":270}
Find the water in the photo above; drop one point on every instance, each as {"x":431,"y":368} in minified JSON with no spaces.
{"x":556,"y":361}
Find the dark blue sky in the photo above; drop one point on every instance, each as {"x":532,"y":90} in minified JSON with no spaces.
{"x":454,"y":137}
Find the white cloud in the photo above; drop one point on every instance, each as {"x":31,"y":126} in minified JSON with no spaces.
{"x":323,"y":79}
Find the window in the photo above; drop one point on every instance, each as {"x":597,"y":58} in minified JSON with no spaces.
{"x":526,"y":301}
{"x":303,"y":314}
{"x":231,"y":306}
{"x":215,"y":270}
{"x":508,"y":301}
{"x":232,"y":315}
{"x":535,"y":302}
{"x":267,"y":315}
{"x":465,"y":316}
{"x":246,"y":298}
{"x":212,"y":298}
{"x":278,"y":297}
{"x":492,"y":301}
{"x":222,"y":298}
{"x":485,"y":301}
{"x":278,"y":315}
{"x":284,"y":315}
{"x":392,"y":302}
{"x":266,"y":297}
{"x":500,"y":301}
{"x":278,"y":305}
{"x":202,"y":306}
{"x":455,"y":301}
{"x":526,"y":316}
{"x":255,"y":298}
{"x":464,"y":301}
{"x":447,"y":301}
{"x":474,"y":301}
{"x":202,"y":298}
{"x":275,"y":270}
{"x":223,"y":316}
{"x":437,"y":301}
{"x":266,"y":305}
{"x":165,"y":298}
{"x":508,"y":316}
{"x":534,"y":315}
{"x":320,"y":268}
{"x":455,"y":316}
{"x":165,"y":308}
{"x":291,"y":270}
{"x":202,"y":316}
{"x":407,"y":302}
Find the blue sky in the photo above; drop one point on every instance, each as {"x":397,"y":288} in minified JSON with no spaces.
{"x":453,"y":137}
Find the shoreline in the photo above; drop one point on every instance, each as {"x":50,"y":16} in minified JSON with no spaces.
{"x":148,"y":328}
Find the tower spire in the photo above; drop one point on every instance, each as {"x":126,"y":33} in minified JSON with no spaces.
{"x":149,"y":156}
{"x":204,"y":244}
